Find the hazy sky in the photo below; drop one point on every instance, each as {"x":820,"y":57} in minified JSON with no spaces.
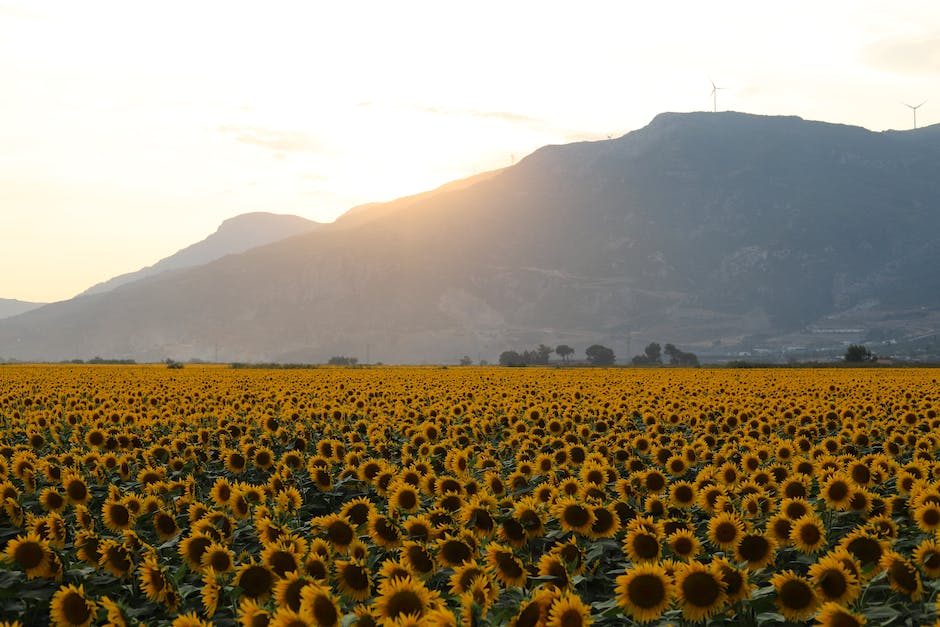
{"x":130,"y":130}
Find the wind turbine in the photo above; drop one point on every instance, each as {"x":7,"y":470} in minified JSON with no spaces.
{"x":914,"y":109}
{"x":715,"y":89}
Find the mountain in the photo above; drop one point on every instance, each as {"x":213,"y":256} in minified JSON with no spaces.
{"x":12,"y":307}
{"x":720,"y":232}
{"x":235,"y":235}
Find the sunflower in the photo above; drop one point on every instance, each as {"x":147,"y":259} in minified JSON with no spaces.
{"x":192,"y":549}
{"x":927,"y":516}
{"x":737,"y":584}
{"x":833,"y":581}
{"x":252,"y":614}
{"x":534,"y":612}
{"x":417,"y":558}
{"x":835,"y":615}
{"x":867,"y":550}
{"x":86,"y":547}
{"x":453,"y":551}
{"x":569,"y":610}
{"x":682,"y":495}
{"x":808,"y":534}
{"x":281,"y":557}
{"x":31,"y":553}
{"x":927,"y":554}
{"x":357,"y":511}
{"x":403,"y":596}
{"x":115,"y":558}
{"x":116,"y":515}
{"x":572,"y":555}
{"x":606,"y":522}
{"x":644,"y":592}
{"x":573,"y":515}
{"x":153,"y":580}
{"x":700,"y":590}
{"x":902,"y":575}
{"x":190,"y":619}
{"x":725,"y":530}
{"x":319,"y":604}
{"x":255,"y":580}
{"x":757,"y":549}
{"x":404,"y":497}
{"x":235,"y":462}
{"x":837,"y":491}
{"x":353,"y":579}
{"x":164,"y":525}
{"x":114,"y":614}
{"x":210,"y":592}
{"x":508,"y":568}
{"x":52,"y":500}
{"x":383,"y":531}
{"x":796,"y":598}
{"x":69,"y":607}
{"x":339,"y":530}
{"x":464,"y":575}
{"x":684,"y":545}
{"x":365,"y":616}
{"x":217,"y":557}
{"x":642,"y":546}
{"x":528,"y":512}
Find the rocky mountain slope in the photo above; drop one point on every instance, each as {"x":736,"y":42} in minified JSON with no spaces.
{"x":706,"y":230}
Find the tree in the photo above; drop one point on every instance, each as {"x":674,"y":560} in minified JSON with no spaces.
{"x":678,"y":357}
{"x":600,"y":355}
{"x":466,"y":361}
{"x":856,"y":354}
{"x":653,"y":352}
{"x":342,"y":360}
{"x":564,"y":351}
{"x":511,"y":359}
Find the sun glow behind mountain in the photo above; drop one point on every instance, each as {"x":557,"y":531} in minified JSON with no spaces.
{"x":132,"y":132}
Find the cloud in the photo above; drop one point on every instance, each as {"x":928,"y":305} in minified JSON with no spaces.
{"x":280,"y":141}
{"x":907,"y":55}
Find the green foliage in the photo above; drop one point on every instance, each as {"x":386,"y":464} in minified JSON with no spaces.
{"x":600,"y":355}
{"x":857,"y":353}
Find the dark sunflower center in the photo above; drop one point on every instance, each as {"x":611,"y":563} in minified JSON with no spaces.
{"x":576,"y":515}
{"x":603,"y":520}
{"x":220,"y":561}
{"x":356,"y":577}
{"x":120,"y":515}
{"x":256,"y":581}
{"x":646,"y":546}
{"x":456,"y":552}
{"x":75,"y":609}
{"x":903,"y":575}
{"x":726,"y":532}
{"x":866,"y":550}
{"x":833,"y":584}
{"x":324,"y":612}
{"x":646,"y":591}
{"x":340,"y":533}
{"x":571,"y":618}
{"x":404,"y":602}
{"x":795,"y":595}
{"x":407,"y":499}
{"x":838,"y":491}
{"x":810,"y":534}
{"x":529,"y":617}
{"x":682,"y":545}
{"x":931,"y":517}
{"x":508,"y":565}
{"x":514,"y":530}
{"x":282,"y":562}
{"x":701,"y":589}
{"x":754,"y":548}
{"x":683,"y":494}
{"x":28,"y":554}
{"x":420,"y":559}
{"x":166,"y":524}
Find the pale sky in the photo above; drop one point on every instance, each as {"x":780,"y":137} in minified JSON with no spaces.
{"x":130,"y":130}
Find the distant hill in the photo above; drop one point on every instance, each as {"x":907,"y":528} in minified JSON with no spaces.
{"x":235,"y":235}
{"x":12,"y":307}
{"x":719,"y":232}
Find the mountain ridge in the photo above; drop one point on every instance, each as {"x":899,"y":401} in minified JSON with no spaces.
{"x":725,"y":232}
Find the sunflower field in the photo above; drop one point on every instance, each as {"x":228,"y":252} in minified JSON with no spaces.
{"x":141,"y":495}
